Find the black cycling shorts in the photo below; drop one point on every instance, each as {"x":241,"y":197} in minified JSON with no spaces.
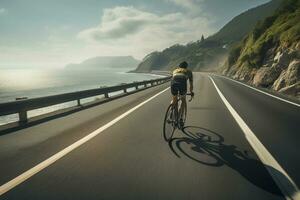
{"x":178,"y":86}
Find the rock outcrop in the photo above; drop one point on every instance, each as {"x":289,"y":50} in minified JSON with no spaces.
{"x":269,"y":56}
{"x":266,"y":76}
{"x":289,"y":80}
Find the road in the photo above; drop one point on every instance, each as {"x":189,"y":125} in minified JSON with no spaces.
{"x":128,"y":158}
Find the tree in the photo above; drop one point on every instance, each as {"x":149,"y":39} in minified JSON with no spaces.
{"x":202,"y":38}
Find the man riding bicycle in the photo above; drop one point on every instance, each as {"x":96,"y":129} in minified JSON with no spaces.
{"x":179,"y":85}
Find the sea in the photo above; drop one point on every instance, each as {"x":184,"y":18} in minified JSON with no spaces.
{"x":32,"y":83}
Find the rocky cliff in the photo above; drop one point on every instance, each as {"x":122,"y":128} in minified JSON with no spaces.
{"x":270,"y":55}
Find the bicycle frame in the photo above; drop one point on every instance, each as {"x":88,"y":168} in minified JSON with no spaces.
{"x":177,"y":109}
{"x":172,"y":118}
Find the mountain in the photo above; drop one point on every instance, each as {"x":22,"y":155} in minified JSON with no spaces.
{"x":200,"y":56}
{"x":270,"y":55}
{"x":106,"y":62}
{"x":210,"y":53}
{"x":242,"y":24}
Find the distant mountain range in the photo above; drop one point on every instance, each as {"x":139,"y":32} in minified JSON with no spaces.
{"x":210,"y":53}
{"x":106,"y":62}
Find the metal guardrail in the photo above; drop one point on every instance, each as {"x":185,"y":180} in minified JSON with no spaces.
{"x":23,"y":105}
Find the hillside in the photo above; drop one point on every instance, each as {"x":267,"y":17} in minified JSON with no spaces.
{"x":210,"y":53}
{"x":270,"y":55}
{"x":200,"y":55}
{"x":242,"y":24}
{"x":106,"y":62}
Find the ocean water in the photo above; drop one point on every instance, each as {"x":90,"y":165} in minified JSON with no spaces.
{"x":33,"y":83}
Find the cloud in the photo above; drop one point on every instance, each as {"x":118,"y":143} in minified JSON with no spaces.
{"x":193,"y":6}
{"x":190,"y":4}
{"x":128,"y":30}
{"x":119,"y":22}
{"x":2,"y":11}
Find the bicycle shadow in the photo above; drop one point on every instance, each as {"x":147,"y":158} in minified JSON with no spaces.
{"x":209,"y":148}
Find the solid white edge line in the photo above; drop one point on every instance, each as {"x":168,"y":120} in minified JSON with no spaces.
{"x":261,"y":91}
{"x":285,"y":183}
{"x":29,"y":173}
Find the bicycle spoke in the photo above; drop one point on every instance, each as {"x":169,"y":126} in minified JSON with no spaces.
{"x":169,"y":124}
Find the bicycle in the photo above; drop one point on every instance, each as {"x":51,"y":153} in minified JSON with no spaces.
{"x":171,"y":121}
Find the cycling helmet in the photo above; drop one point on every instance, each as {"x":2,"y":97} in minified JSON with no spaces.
{"x":183,"y":64}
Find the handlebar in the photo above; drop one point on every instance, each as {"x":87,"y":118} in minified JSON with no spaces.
{"x":192,"y":94}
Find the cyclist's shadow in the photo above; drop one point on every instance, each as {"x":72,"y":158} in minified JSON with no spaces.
{"x":208,"y":148}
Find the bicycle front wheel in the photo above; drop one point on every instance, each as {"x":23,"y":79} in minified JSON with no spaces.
{"x":169,"y":124}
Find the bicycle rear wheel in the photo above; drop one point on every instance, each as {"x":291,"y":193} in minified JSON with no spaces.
{"x":169,"y":123}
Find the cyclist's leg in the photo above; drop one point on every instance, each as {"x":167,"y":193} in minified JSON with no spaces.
{"x":174,"y":103}
{"x":182,"y":106}
{"x":174,"y":100}
{"x":182,"y":91}
{"x":175,"y":106}
{"x":174,"y":91}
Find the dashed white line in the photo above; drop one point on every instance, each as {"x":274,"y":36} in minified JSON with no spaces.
{"x":266,"y":93}
{"x":282,"y":179}
{"x":29,"y":173}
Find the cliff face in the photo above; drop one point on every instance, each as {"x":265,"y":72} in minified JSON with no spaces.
{"x":208,"y":54}
{"x":270,"y":55}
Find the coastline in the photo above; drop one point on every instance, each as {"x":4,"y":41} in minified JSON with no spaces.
{"x":10,"y":94}
{"x":157,"y":73}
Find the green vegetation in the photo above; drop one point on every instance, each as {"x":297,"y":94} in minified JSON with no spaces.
{"x":280,"y":30}
{"x":198,"y":54}
{"x":235,"y":52}
{"x":242,"y":24}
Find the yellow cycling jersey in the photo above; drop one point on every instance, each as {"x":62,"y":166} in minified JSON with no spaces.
{"x":182,"y":73}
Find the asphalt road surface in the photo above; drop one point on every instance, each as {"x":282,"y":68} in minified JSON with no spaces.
{"x":214,"y":157}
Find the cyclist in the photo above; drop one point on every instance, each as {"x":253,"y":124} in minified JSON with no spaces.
{"x":179,"y":85}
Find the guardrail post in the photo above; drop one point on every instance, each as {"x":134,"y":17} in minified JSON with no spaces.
{"x":151,"y":83}
{"x":136,"y":87}
{"x":22,"y":113}
{"x":23,"y":116}
{"x":78,"y":102}
{"x":106,"y":95}
{"x":145,"y":85}
{"x":125,"y":90}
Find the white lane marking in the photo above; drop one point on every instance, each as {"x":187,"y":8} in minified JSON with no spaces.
{"x":282,"y":179}
{"x":29,"y":173}
{"x":261,"y":91}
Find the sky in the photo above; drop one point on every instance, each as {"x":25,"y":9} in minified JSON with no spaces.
{"x":53,"y":33}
